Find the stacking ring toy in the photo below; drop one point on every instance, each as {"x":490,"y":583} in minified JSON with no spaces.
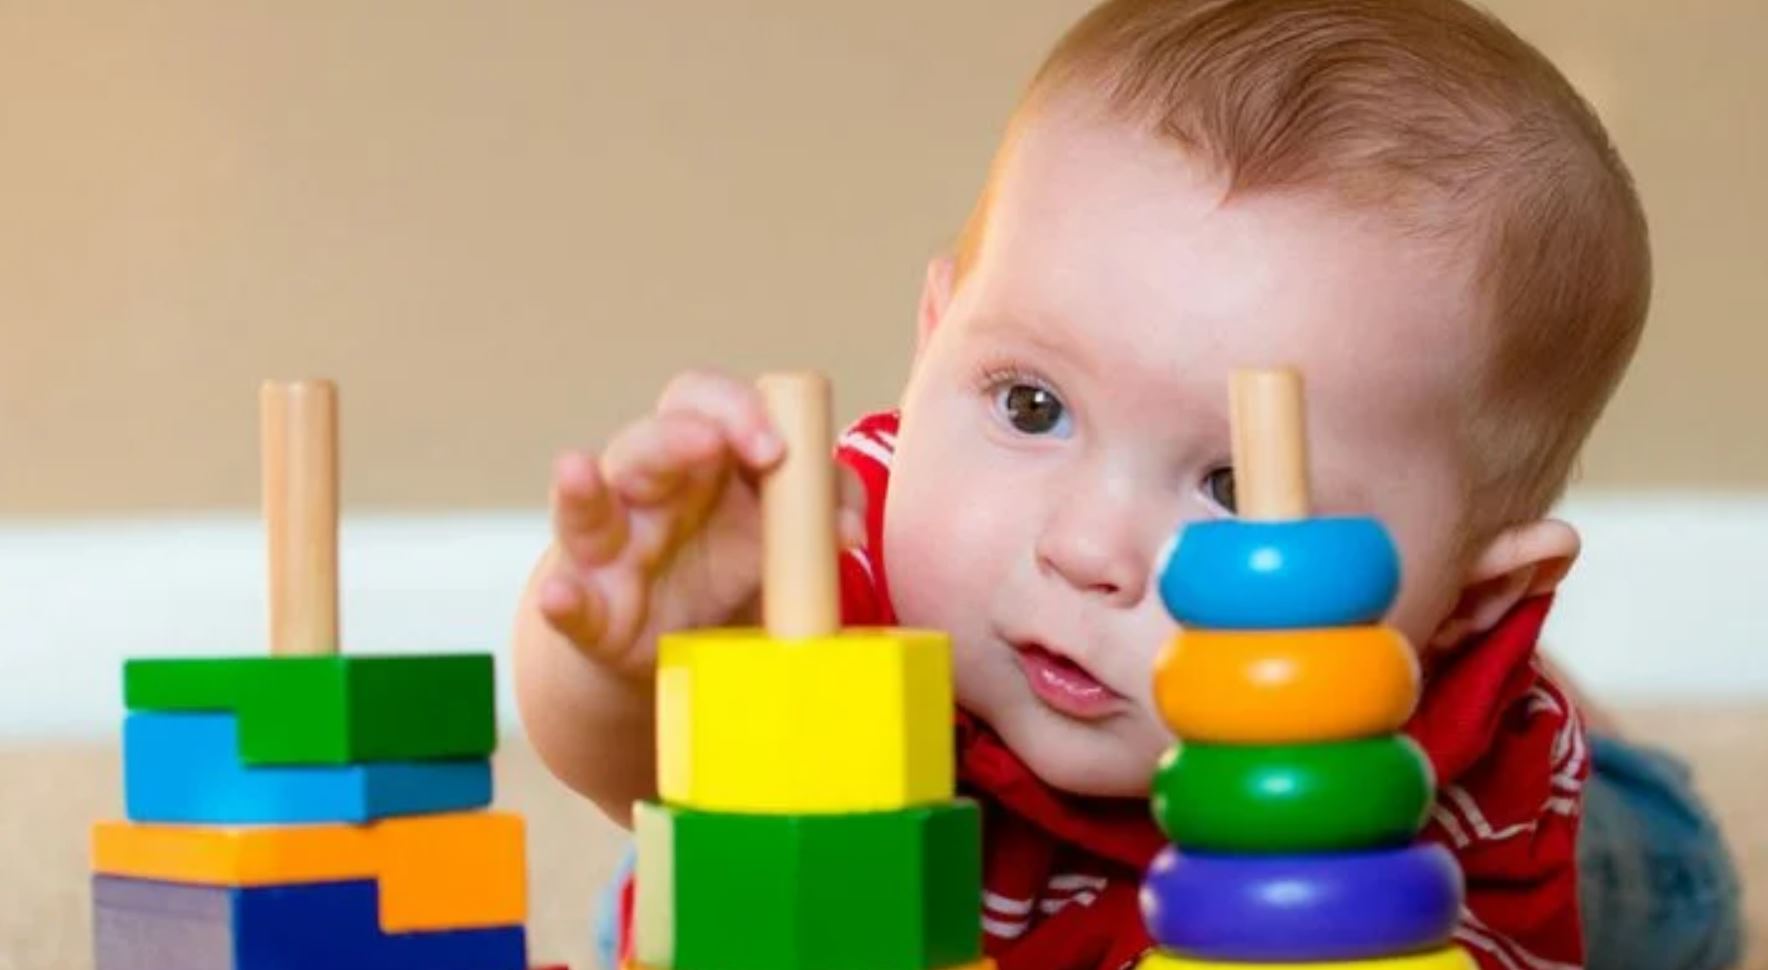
{"x":1257,"y":800}
{"x":1448,"y":958}
{"x":1284,"y":687}
{"x":1347,"y":906}
{"x":1244,"y":575}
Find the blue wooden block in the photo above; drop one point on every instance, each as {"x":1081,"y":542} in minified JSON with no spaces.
{"x":140,"y":924}
{"x":185,"y":767}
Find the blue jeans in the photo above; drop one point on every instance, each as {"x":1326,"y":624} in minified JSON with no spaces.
{"x":1657,"y":885}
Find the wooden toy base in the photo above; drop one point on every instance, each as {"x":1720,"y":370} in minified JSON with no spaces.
{"x":1450,"y":958}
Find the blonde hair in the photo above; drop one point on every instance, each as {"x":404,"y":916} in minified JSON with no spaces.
{"x":1443,"y":117}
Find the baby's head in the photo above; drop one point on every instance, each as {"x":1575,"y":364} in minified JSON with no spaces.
{"x":1397,"y":197}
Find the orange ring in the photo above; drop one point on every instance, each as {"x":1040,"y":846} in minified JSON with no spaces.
{"x":1286,"y":686}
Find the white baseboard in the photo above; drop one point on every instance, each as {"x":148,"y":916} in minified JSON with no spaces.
{"x":77,"y":599}
{"x":1668,"y":602}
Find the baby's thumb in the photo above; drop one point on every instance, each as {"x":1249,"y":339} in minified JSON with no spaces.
{"x":851,"y":509}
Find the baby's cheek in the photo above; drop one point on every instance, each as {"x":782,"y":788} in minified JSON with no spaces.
{"x":943,"y":563}
{"x":975,"y":685}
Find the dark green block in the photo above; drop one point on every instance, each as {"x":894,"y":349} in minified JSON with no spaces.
{"x":1293,"y":798}
{"x":331,"y":710}
{"x":895,"y":890}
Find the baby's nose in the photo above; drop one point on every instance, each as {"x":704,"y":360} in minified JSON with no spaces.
{"x":1095,"y":554}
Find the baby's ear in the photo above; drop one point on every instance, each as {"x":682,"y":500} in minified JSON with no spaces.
{"x":1519,"y":562}
{"x":936,"y":295}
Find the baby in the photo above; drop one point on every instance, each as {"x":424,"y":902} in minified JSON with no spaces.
{"x":1398,"y":197}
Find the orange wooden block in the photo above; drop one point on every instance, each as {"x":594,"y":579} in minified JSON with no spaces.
{"x":434,"y":872}
{"x":1286,"y":686}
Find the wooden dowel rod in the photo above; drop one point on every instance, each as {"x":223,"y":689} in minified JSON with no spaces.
{"x":299,"y":438}
{"x":1270,"y":444}
{"x":799,"y":593}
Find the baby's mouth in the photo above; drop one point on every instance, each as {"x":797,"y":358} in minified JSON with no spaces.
{"x":1065,"y":686}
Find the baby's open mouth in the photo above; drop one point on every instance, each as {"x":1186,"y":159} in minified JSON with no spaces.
{"x":1066,"y":686}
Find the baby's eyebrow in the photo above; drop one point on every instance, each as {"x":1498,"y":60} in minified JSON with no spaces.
{"x":1048,"y":337}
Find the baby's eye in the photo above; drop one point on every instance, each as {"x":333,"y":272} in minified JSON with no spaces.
{"x":1032,"y":409}
{"x":1218,"y":487}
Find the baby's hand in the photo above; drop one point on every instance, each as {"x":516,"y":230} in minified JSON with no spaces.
{"x":663,"y":531}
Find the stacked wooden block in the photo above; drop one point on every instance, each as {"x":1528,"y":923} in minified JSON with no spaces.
{"x":1291,"y":798}
{"x":312,"y":812}
{"x":807,"y":818}
{"x":305,"y":810}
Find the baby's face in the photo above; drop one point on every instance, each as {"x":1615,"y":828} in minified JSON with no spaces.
{"x":1067,"y":413}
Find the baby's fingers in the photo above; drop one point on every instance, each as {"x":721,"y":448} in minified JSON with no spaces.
{"x":649,"y":461}
{"x":573,"y":608}
{"x":735,"y":407}
{"x":589,"y":523}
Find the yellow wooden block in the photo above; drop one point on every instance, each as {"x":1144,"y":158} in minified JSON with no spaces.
{"x":857,"y":721}
{"x":1448,"y":958}
{"x":435,"y":872}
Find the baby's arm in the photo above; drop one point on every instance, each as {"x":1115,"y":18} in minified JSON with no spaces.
{"x":659,"y":532}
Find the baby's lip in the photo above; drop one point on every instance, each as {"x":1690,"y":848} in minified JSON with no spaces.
{"x":1063,"y":683}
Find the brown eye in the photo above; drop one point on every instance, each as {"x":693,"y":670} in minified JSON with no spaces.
{"x":1033,"y":410}
{"x":1218,"y":487}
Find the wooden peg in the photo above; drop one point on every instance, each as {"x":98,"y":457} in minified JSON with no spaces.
{"x":1269,"y":444}
{"x":299,"y":437}
{"x":800,"y":597}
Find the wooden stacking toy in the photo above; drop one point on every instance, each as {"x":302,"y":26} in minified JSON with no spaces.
{"x":308,"y":810}
{"x":806,"y":818}
{"x":1291,"y":800}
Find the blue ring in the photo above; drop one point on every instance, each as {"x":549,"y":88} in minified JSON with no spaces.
{"x":1235,"y":575}
{"x":1343,"y":906}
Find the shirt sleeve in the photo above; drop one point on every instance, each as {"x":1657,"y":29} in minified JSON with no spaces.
{"x":867,"y":448}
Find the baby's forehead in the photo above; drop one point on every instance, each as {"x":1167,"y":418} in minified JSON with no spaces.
{"x":1074,"y":175}
{"x":1110,"y":236}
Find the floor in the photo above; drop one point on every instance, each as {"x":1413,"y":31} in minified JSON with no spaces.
{"x":50,"y":793}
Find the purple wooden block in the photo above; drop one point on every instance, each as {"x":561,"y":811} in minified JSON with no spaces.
{"x":1308,"y":908}
{"x":141,"y":925}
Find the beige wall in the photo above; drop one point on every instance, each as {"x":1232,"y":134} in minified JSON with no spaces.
{"x":501,"y":225}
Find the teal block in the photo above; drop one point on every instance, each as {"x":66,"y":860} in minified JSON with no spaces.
{"x":185,"y":768}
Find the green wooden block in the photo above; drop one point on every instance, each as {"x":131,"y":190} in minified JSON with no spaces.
{"x":898,"y":890}
{"x":331,"y":710}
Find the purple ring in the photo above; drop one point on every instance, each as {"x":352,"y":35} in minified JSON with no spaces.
{"x":1339,"y":906}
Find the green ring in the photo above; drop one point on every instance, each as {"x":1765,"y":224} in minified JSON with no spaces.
{"x":1293,"y":797}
